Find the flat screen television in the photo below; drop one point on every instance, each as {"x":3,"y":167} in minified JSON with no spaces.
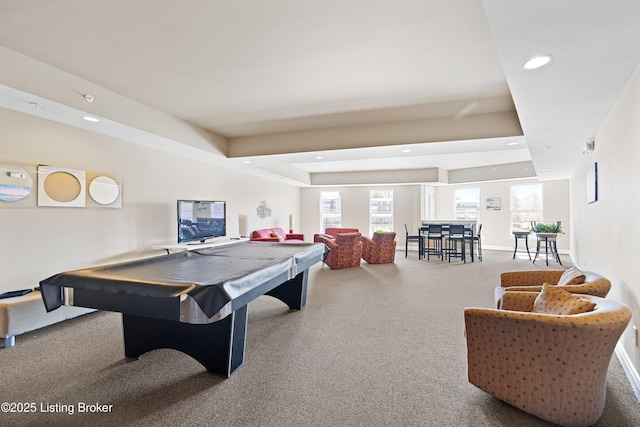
{"x":199,"y":220}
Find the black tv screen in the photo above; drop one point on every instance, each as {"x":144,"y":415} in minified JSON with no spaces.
{"x":199,"y":220}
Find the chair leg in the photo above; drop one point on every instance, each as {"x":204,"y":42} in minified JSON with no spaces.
{"x":463,"y":250}
{"x":554,"y":249}
{"x":535,"y":257}
{"x":436,"y":250}
{"x":452,"y":249}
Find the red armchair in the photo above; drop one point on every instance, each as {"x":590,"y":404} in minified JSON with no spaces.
{"x":380,"y":249}
{"x":331,"y":233}
{"x":345,"y":250}
{"x":275,"y":235}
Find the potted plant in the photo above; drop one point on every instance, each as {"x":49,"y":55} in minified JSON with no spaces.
{"x":540,"y":227}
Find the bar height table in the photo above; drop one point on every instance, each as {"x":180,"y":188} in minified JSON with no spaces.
{"x":521,"y":235}
{"x":549,"y":240}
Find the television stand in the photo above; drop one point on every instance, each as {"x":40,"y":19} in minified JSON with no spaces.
{"x":197,"y":245}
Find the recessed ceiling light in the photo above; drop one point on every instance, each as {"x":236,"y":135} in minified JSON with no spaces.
{"x":537,"y":62}
{"x":246,"y":162}
{"x":319,"y":157}
{"x":405,"y":151}
{"x":91,"y":119}
{"x":512,"y":143}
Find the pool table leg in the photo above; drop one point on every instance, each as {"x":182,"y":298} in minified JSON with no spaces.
{"x":293,"y":292}
{"x":218,"y":346}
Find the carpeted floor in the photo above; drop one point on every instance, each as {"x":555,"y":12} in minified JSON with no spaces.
{"x":378,"y":345}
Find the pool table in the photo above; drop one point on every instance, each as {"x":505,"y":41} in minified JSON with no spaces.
{"x":192,"y":301}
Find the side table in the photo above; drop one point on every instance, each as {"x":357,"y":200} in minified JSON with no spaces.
{"x":521,"y":235}
{"x":549,"y":240}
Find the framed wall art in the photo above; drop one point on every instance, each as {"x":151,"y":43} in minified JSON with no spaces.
{"x":493,"y":203}
{"x":592,"y":183}
{"x":62,"y":187}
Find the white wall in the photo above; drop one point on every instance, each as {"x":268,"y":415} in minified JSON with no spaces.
{"x":606,"y":234}
{"x":355,"y":208}
{"x":496,"y":232}
{"x":38,"y":242}
{"x":496,"y":228}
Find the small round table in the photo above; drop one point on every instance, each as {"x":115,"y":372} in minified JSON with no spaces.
{"x":521,"y":235}
{"x":549,"y":240}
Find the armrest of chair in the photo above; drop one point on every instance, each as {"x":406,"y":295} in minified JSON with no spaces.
{"x":531,"y":288}
{"x":518,"y":301}
{"x":529,"y":278}
{"x":599,"y":288}
{"x":330,"y":243}
{"x":502,"y":325}
{"x":368,"y":246}
{"x":367,"y":240}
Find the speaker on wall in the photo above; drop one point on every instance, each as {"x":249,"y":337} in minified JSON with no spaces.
{"x":243,"y":225}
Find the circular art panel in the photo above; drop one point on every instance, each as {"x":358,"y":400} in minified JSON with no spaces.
{"x":15,"y":183}
{"x":104,"y":190}
{"x":61,"y":187}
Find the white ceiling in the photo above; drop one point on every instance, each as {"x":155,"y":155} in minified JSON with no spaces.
{"x":353,"y":81}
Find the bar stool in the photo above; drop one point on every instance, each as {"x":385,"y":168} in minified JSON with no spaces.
{"x":411,"y":238}
{"x":434,"y":235}
{"x":475,"y":241}
{"x":521,"y":235}
{"x":455,"y":236}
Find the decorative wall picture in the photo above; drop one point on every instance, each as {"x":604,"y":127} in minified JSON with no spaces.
{"x":493,"y":203}
{"x":104,"y":190}
{"x":592,"y":183}
{"x":15,"y":183}
{"x":62,"y":187}
{"x":263,"y":210}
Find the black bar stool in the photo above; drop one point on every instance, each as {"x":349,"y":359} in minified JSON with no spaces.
{"x":456,"y":235}
{"x":434,"y":235}
{"x":412,"y":238}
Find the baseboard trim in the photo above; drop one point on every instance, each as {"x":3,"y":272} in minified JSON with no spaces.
{"x":629,"y":369}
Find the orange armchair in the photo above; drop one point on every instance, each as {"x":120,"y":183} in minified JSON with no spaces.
{"x":551,"y":366}
{"x":380,"y":249}
{"x":587,"y":282}
{"x":345,"y":250}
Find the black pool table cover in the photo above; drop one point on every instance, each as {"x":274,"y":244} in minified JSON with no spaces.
{"x":213,"y":277}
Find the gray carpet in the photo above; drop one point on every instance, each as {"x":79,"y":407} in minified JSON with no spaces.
{"x":378,"y":345}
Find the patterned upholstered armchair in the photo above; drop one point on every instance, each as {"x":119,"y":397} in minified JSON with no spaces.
{"x":571,"y":280}
{"x":345,"y":250}
{"x":551,"y":366}
{"x":380,"y":249}
{"x":332,"y":232}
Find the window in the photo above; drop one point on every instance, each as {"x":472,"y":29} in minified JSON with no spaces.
{"x":526,"y":205}
{"x":466,"y":203}
{"x":380,"y":210}
{"x":330,"y":209}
